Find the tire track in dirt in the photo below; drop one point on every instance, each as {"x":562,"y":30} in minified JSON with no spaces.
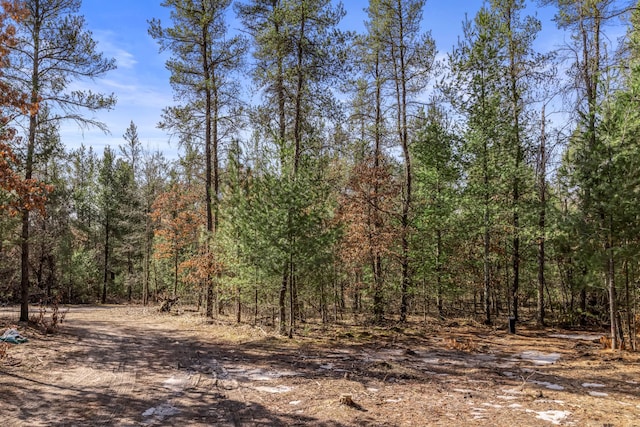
{"x":120,"y":387}
{"x":131,"y":367}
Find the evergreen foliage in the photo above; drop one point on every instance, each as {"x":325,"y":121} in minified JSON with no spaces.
{"x":362,"y":180}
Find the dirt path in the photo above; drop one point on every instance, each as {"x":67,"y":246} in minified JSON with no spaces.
{"x":134,"y":367}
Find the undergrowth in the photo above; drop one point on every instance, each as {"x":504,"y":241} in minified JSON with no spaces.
{"x":49,"y":319}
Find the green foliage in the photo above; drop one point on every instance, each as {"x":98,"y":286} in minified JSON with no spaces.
{"x":379,"y":204}
{"x":438,"y":178}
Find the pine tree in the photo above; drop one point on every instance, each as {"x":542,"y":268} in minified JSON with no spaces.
{"x":114,"y":190}
{"x":408,"y":55}
{"x":524,"y":71}
{"x":152,"y":184}
{"x":477,"y":92}
{"x":296,"y":47}
{"x":201,"y":72}
{"x":437,"y":181}
{"x":54,"y":49}
{"x":593,"y":172}
{"x":133,"y":213}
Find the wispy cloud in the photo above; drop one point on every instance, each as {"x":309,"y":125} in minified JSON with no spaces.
{"x":108,"y":44}
{"x":141,"y":86}
{"x":124,"y":59}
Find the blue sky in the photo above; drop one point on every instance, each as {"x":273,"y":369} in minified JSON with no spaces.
{"x":141,"y":82}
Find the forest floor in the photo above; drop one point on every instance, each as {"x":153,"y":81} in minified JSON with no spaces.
{"x":132,"y":366}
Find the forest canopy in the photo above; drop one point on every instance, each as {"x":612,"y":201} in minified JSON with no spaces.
{"x":372,"y":175}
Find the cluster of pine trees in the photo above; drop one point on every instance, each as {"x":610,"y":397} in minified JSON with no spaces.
{"x":363,"y":177}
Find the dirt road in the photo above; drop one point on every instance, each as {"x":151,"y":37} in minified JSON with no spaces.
{"x":134,"y":367}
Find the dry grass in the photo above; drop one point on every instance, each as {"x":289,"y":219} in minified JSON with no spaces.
{"x":467,"y":344}
{"x":4,"y":350}
{"x":49,"y":318}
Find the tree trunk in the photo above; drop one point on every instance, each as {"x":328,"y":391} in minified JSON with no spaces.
{"x":130,"y":276}
{"x":611,"y":286}
{"x":24,"y":271}
{"x":629,"y":308}
{"x":486,"y":243}
{"x":209,"y":143}
{"x":515,"y":106}
{"x":378,"y":297}
{"x":105,"y":266}
{"x":238,"y":305}
{"x":281,"y":300}
{"x":297,"y":122}
{"x":255,"y":306}
{"x":401,"y":95}
{"x":28,"y":172}
{"x":175,"y":274}
{"x":439,"y":273}
{"x":292,"y":311}
{"x":542,"y":197}
{"x":147,"y":261}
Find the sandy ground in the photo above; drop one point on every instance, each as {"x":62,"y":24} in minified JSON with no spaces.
{"x":131,"y":366}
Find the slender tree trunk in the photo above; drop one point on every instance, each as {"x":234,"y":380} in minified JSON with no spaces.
{"x":282,"y":122}
{"x":516,"y":260}
{"x":282,"y":299}
{"x":323,"y":300}
{"x":216,"y":192}
{"x":282,"y":129}
{"x":487,"y":272}
{"x":130,"y":275}
{"x":175,"y":273}
{"x":439,"y":273}
{"x":105,"y":279}
{"x":378,"y":297}
{"x":28,"y":166}
{"x":238,"y":305}
{"x":147,"y":260}
{"x":51,"y":277}
{"x":292,"y":314}
{"x":515,"y":106}
{"x":542,"y":197}
{"x":611,"y":286}
{"x":24,"y":271}
{"x":398,"y":52}
{"x":297,"y":122}
{"x":541,"y":268}
{"x":255,"y":306}
{"x":439,"y":293}
{"x":215,"y":157}
{"x":297,"y":139}
{"x":628,"y":308}
{"x":486,"y":241}
{"x":208,"y":139}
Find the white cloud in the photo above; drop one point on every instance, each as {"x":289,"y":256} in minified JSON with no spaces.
{"x":109,"y":46}
{"x":141,"y":88}
{"x":124,"y":59}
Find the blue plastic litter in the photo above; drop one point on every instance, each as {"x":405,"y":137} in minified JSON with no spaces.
{"x":13,"y":336}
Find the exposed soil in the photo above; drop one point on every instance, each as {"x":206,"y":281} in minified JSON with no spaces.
{"x":132,"y":366}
